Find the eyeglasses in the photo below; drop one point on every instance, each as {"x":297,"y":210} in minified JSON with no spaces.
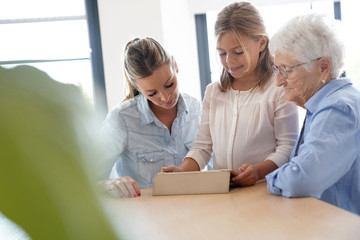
{"x":285,"y":70}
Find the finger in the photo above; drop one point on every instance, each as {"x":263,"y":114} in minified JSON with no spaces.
{"x":241,"y":176}
{"x":122,"y":187}
{"x":244,"y":167}
{"x":136,"y":187}
{"x":168,"y":168}
{"x":134,"y":184}
{"x":115,"y":188}
{"x":130,"y":189}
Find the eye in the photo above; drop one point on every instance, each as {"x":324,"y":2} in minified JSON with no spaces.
{"x":222,"y":54}
{"x":151,"y":95}
{"x":287,"y":69}
{"x":170,"y":85}
{"x":239,"y":53}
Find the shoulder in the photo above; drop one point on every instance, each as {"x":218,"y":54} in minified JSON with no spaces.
{"x":189,"y":99}
{"x":271,"y":92}
{"x":192,"y":104}
{"x":129,"y":107}
{"x":345,"y":99}
{"x":271,"y":88}
{"x":213,"y":89}
{"x":214,"y":86}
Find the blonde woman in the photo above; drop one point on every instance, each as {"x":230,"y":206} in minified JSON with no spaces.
{"x":247,"y":124}
{"x":154,"y":127}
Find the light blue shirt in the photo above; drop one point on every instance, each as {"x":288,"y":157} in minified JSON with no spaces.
{"x":327,"y":166}
{"x":141,"y":144}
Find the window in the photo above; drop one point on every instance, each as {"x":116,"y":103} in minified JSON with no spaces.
{"x":51,"y":36}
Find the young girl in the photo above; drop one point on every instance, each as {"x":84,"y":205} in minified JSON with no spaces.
{"x":247,"y":124}
{"x":154,"y":127}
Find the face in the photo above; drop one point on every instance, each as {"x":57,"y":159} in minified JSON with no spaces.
{"x":300,"y":84}
{"x":233,"y":55}
{"x":160,"y":88}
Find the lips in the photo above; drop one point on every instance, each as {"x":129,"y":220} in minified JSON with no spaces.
{"x":235,"y":69}
{"x":170,"y":102}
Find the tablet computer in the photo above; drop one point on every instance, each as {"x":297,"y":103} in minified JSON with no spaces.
{"x":197,"y":182}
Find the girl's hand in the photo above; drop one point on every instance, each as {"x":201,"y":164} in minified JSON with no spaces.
{"x":172,"y":168}
{"x":248,"y":176}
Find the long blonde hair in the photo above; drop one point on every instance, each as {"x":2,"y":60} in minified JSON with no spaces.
{"x":242,"y":18}
{"x":141,"y":58}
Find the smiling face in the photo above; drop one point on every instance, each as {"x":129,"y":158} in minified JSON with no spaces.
{"x":160,"y":88}
{"x":300,"y":84}
{"x":240,"y":61}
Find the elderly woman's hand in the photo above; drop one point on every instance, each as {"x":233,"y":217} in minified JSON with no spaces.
{"x":248,"y":176}
{"x":124,"y":187}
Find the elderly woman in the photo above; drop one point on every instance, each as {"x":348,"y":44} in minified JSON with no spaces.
{"x":325,"y":162}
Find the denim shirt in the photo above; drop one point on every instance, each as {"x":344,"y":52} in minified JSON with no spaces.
{"x":327,"y":166}
{"x":140,"y":144}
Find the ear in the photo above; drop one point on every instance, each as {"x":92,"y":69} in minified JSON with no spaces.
{"x":263,"y":42}
{"x":325,"y":66}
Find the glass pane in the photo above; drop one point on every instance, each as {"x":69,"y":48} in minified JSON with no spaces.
{"x":350,"y":16}
{"x":18,"y":9}
{"x":44,"y":40}
{"x":73,"y":72}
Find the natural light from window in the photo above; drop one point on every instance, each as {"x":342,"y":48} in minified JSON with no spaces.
{"x":49,"y":35}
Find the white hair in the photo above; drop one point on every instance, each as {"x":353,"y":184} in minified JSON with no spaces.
{"x":308,"y":37}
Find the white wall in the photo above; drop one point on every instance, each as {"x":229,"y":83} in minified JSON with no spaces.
{"x":168,"y":21}
{"x":121,"y":21}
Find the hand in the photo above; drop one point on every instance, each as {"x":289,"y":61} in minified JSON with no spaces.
{"x":172,"y":168}
{"x":187,"y":165}
{"x":124,"y":187}
{"x":248,"y":176}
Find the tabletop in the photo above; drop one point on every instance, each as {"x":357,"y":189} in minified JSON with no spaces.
{"x":243,"y":213}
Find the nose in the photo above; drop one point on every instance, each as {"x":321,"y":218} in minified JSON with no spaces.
{"x":229,"y":59}
{"x":280,"y":81}
{"x":164,"y":96}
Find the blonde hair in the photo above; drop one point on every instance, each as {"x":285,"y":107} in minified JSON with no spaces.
{"x":141,"y":58}
{"x":242,"y":18}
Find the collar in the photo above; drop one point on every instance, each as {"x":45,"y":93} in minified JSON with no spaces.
{"x":147,"y":116}
{"x":332,"y":86}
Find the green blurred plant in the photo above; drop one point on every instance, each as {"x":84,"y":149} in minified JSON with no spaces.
{"x":47,"y":148}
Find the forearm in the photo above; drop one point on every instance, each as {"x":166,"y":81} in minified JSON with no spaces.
{"x":264,"y":168}
{"x":189,"y":164}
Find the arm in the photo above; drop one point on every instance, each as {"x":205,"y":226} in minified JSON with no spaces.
{"x":285,"y":133}
{"x":114,"y":136}
{"x":327,"y":153}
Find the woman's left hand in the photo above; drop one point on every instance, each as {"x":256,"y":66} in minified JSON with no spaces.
{"x":248,"y":176}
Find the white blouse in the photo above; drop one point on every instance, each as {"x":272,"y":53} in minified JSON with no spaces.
{"x":245,"y":127}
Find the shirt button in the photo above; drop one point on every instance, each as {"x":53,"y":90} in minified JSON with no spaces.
{"x":294,"y":168}
{"x":151,"y":160}
{"x":176,"y":156}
